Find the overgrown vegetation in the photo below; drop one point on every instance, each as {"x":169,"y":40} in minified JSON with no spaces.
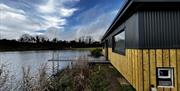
{"x":39,"y":82}
{"x":80,"y":78}
{"x":4,"y":78}
{"x":28,"y":82}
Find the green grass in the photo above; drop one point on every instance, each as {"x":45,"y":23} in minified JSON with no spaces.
{"x":127,"y":88}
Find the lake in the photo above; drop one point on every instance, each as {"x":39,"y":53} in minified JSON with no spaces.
{"x":14,"y":61}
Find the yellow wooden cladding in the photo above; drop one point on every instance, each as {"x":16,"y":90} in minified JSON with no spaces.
{"x":146,"y":70}
{"x":159,"y":61}
{"x":173,"y":64}
{"x":166,"y":62}
{"x":138,"y":66}
{"x":140,"y":70}
{"x":152,"y":67}
{"x":178,"y":69}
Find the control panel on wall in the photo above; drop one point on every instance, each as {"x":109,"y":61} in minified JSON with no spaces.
{"x":165,"y":77}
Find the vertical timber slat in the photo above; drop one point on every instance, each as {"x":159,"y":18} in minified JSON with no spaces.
{"x":140,"y":69}
{"x":136,"y":66}
{"x":178,"y":65}
{"x":152,"y":68}
{"x":132,"y":58}
{"x":166,"y":63}
{"x":146,"y":69}
{"x":173,"y":64}
{"x":131,"y":68}
{"x":159,"y":62}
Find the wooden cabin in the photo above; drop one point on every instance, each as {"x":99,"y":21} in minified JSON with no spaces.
{"x":143,"y":44}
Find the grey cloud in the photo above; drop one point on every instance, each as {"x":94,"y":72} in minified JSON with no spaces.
{"x":96,"y":29}
{"x":18,"y":21}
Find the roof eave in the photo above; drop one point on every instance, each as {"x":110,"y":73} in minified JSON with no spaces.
{"x":126,"y":7}
{"x":120,"y":13}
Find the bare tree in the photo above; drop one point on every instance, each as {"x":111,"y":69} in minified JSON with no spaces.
{"x":55,"y":40}
{"x":26,"y":38}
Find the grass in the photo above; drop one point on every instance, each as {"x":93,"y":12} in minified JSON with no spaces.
{"x":127,"y":88}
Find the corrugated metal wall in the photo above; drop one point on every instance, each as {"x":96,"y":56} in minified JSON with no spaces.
{"x":131,"y":32}
{"x":159,"y":29}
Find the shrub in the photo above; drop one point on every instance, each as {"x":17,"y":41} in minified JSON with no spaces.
{"x":96,"y":52}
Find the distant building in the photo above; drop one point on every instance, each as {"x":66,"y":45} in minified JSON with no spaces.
{"x":143,"y":43}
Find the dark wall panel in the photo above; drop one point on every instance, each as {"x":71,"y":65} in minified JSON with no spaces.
{"x":130,"y":26}
{"x":132,"y":31}
{"x":159,"y":29}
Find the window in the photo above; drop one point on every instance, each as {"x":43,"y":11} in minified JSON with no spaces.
{"x":119,"y":42}
{"x":165,"y":77}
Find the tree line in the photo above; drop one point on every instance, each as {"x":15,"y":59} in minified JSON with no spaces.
{"x":40,"y":42}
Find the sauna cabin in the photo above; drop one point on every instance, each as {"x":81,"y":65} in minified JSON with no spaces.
{"x":143,"y":44}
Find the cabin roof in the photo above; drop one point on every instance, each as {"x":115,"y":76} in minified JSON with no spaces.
{"x":131,"y":6}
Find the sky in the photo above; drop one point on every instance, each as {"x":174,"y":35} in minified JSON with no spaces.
{"x":62,"y":19}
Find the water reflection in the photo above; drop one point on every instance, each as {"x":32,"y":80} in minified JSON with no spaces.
{"x":34,"y":59}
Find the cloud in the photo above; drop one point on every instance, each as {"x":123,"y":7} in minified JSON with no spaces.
{"x":53,"y":32}
{"x":49,"y":7}
{"x":67,"y":12}
{"x":55,"y":18}
{"x":96,"y":28}
{"x":50,"y":16}
{"x":55,"y":6}
{"x":4,"y":7}
{"x":14,"y":21}
{"x":53,"y":21}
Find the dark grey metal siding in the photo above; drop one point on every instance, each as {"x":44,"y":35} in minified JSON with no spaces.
{"x":159,"y":29}
{"x":130,"y":26}
{"x":151,"y":30}
{"x":132,"y":31}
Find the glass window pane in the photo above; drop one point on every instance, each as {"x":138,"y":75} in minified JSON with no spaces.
{"x":119,"y":42}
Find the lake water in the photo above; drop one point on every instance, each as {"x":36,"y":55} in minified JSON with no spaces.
{"x":14,"y":61}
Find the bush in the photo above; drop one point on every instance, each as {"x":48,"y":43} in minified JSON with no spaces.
{"x":96,"y":52}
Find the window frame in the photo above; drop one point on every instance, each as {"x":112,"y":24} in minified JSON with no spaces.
{"x":122,"y":52}
{"x":171,"y":76}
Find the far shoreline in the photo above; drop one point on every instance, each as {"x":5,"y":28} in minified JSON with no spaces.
{"x":36,"y":49}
